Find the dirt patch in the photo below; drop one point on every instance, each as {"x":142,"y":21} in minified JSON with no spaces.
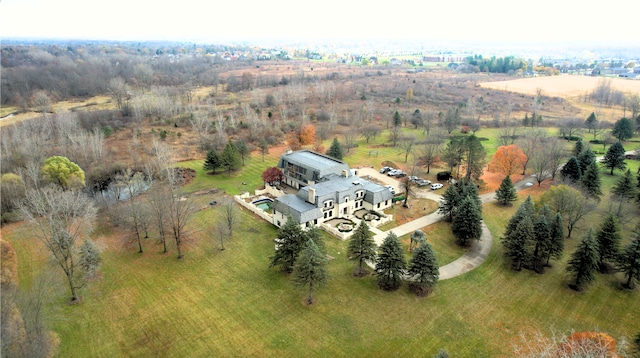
{"x":185,"y":174}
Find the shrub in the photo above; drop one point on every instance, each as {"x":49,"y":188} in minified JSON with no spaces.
{"x":443,"y":176}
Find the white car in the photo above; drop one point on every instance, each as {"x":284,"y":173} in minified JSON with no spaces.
{"x":393,"y":172}
{"x":436,"y":186}
{"x":391,"y":189}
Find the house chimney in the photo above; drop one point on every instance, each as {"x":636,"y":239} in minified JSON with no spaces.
{"x":312,"y":195}
{"x":345,"y":173}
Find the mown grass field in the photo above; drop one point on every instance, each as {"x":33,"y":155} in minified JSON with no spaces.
{"x":229,"y":303}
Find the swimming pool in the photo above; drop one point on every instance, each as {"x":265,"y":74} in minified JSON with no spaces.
{"x":263,"y":204}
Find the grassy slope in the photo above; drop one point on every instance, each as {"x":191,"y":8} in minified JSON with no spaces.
{"x":229,"y":303}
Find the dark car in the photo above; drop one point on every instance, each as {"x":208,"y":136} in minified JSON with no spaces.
{"x":401,"y":175}
{"x":384,"y":170}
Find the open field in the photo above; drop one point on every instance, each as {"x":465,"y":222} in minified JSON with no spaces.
{"x":561,"y":86}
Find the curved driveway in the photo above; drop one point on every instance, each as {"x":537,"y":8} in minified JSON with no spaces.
{"x":465,"y":263}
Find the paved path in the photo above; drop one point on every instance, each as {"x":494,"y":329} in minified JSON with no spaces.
{"x":465,"y":263}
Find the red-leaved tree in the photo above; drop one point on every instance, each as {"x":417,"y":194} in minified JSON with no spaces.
{"x":272,"y":176}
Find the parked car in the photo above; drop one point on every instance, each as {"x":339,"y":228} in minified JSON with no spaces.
{"x":436,"y":186}
{"x":423,"y":182}
{"x":401,"y":175}
{"x":384,"y":170}
{"x":393,"y":172}
{"x":413,"y":178}
{"x":391,"y":189}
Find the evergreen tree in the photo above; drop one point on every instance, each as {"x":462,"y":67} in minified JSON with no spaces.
{"x":518,"y":242}
{"x":608,"y":238}
{"x":628,"y":262}
{"x":313,"y":233}
{"x":614,"y":158}
{"x":584,"y":262}
{"x":624,"y":190}
{"x":506,"y":193}
{"x":525,"y":209}
{"x":396,"y":119}
{"x":571,"y":170}
{"x":579,"y":147}
{"x":591,"y":123}
{"x":289,"y":242}
{"x":212,"y":162}
{"x":230,"y":158}
{"x":591,"y":182}
{"x":467,"y":222}
{"x":335,"y":150}
{"x":455,"y":193}
{"x":310,"y":268}
{"x":586,"y":158}
{"x":361,"y":247}
{"x":623,"y":129}
{"x":542,"y":239}
{"x":390,"y":263}
{"x":423,"y":269}
{"x":556,"y":237}
{"x":449,"y":202}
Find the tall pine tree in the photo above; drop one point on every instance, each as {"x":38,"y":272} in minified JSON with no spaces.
{"x":361,"y":247}
{"x":518,"y":242}
{"x":289,"y":242}
{"x":614,"y":158}
{"x":212,"y":162}
{"x":628,"y":262}
{"x":624,"y":190}
{"x":506,"y":193}
{"x":542,"y":239}
{"x":467,"y":222}
{"x":310,"y":268}
{"x":556,"y":236}
{"x":230,"y":158}
{"x":608,"y":238}
{"x":423,"y":269}
{"x":571,"y":171}
{"x":390,"y":264}
{"x":591,"y":182}
{"x":584,"y":262}
{"x":335,"y":150}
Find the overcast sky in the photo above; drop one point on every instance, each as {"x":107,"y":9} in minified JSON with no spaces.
{"x":477,"y":20}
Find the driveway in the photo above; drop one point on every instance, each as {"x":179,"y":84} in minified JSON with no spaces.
{"x":465,"y":263}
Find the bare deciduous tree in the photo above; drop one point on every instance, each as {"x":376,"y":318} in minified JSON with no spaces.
{"x":61,"y":219}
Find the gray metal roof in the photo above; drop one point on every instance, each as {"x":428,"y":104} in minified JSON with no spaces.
{"x":298,"y":208}
{"x":338,"y":187}
{"x":325,"y":165}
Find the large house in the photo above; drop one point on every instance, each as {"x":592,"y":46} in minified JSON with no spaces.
{"x":327,"y":189}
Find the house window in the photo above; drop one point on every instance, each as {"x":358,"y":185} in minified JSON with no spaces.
{"x":360,"y":194}
{"x":279,"y":223}
{"x":346,"y":199}
{"x":315,"y":221}
{"x":328,"y":203}
{"x":325,"y":215}
{"x":378,"y":205}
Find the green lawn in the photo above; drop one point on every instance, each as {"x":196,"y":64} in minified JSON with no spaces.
{"x":229,"y":303}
